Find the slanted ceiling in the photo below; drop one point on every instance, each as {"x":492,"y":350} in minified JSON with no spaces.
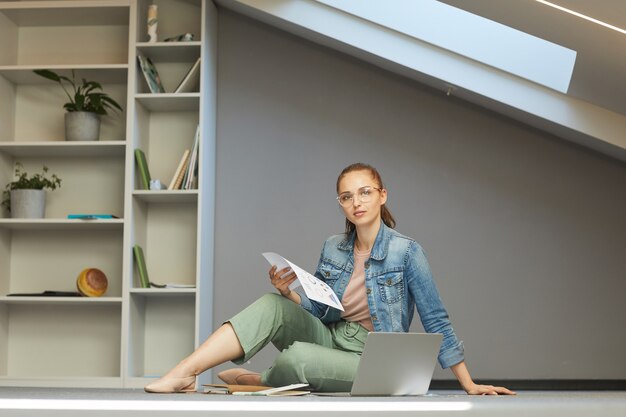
{"x":348,"y":26}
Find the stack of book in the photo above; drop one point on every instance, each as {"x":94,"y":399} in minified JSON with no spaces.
{"x":186,"y":173}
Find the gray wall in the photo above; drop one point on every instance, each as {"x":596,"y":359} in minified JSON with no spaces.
{"x":525,"y":233}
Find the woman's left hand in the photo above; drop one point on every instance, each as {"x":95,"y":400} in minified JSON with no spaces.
{"x":477,"y":389}
{"x":462,"y":374}
{"x":282,"y":279}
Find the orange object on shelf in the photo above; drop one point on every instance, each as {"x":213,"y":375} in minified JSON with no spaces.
{"x":92,"y":282}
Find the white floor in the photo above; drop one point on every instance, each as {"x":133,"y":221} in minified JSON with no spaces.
{"x":102,"y":402}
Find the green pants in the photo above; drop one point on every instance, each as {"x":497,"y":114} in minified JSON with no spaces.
{"x":324,"y":356}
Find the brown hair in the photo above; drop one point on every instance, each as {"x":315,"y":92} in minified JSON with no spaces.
{"x":385,"y":214}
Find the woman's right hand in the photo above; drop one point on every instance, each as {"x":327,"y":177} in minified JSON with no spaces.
{"x":282,"y":282}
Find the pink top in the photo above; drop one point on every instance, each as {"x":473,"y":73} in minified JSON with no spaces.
{"x":354,"y":300}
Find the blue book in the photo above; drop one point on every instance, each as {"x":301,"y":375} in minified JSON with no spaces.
{"x":91,"y":216}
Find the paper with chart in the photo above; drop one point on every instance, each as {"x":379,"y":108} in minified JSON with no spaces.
{"x":314,"y":288}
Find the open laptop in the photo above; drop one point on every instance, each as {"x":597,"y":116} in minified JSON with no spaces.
{"x":396,"y":364}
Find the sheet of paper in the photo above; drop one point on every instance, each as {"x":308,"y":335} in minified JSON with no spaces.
{"x":314,"y":288}
{"x":287,"y":390}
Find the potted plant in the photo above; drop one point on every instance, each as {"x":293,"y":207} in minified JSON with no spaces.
{"x":25,"y":197}
{"x":86,"y":103}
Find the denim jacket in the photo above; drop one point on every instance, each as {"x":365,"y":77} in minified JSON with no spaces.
{"x":397,"y":278}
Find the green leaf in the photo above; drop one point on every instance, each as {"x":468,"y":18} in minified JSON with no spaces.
{"x":84,"y":97}
{"x":37,"y":181}
{"x":108,"y":101}
{"x":69,"y":80}
{"x":92,"y":85}
{"x":48,"y":74}
{"x":79,"y":101}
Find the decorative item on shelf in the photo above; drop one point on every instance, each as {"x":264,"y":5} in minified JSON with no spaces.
{"x":153,"y":22}
{"x":86,"y":104}
{"x":92,"y":216}
{"x":25,"y":197}
{"x":173,"y":285}
{"x":92,"y":282}
{"x":156,"y":185}
{"x":150,"y":74}
{"x":185,"y":37}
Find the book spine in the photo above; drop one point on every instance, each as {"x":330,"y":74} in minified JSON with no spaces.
{"x":179,"y":170}
{"x":150,"y":74}
{"x":189,"y":174}
{"x":141,"y":266}
{"x":190,"y":80}
{"x":179,"y":180}
{"x":144,"y":173}
{"x":91,"y":216}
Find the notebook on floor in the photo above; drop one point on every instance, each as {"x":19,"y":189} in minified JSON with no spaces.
{"x":395,"y":364}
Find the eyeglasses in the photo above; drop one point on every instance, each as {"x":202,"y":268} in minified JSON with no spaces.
{"x":364,"y":194}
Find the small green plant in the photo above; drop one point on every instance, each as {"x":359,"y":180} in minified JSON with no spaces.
{"x":87,"y":96}
{"x":38,"y":181}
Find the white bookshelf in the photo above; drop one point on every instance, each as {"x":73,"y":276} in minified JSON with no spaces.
{"x":122,"y":328}
{"x":174,"y":227}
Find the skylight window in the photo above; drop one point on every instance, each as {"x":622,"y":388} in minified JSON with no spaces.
{"x":471,"y":36}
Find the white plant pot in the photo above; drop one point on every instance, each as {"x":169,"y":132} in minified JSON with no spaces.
{"x":29,"y":204}
{"x":82,"y":125}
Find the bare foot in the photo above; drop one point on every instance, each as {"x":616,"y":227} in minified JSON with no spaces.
{"x":171,"y":384}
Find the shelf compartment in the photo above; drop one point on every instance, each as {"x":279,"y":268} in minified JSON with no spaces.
{"x":35,"y":111}
{"x":63,"y":13}
{"x":172,"y":61}
{"x":43,"y":340}
{"x":157,"y":225}
{"x":38,"y":260}
{"x":64,"y":32}
{"x":63,"y":148}
{"x":161,"y":332}
{"x":163,"y":137}
{"x":176,"y":17}
{"x":92,"y":184}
